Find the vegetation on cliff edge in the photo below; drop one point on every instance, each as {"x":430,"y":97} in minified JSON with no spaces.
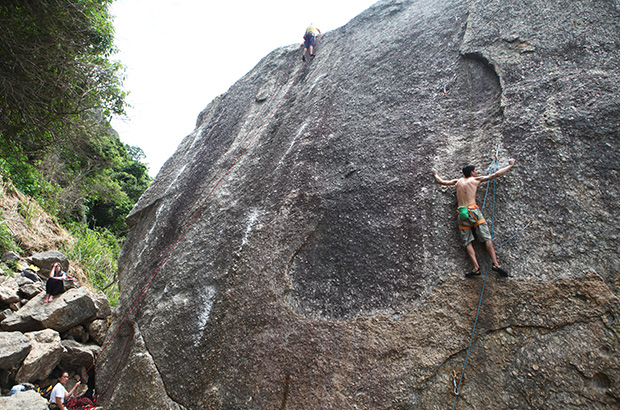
{"x":59,"y":89}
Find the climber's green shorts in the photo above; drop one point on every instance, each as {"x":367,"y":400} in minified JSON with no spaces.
{"x":466,"y":227}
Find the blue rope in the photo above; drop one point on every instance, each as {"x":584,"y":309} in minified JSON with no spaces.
{"x":514,"y":236}
{"x":486,"y":276}
{"x":492,"y":168}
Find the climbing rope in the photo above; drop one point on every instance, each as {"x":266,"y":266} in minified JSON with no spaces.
{"x":515,"y":235}
{"x":457,"y":381}
{"x":457,"y":390}
{"x":197,"y":212}
{"x":492,"y":168}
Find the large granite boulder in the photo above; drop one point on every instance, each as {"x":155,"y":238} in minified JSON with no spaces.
{"x":69,"y":309}
{"x":45,"y":261}
{"x":102,"y":304}
{"x":8,"y":257}
{"x":14,"y":347}
{"x":30,"y":290}
{"x":140,"y":366}
{"x":297,"y":252}
{"x":24,"y":400}
{"x":43,"y":357}
{"x":8,"y":291}
{"x":77,"y":333}
{"x":97,"y":330}
{"x":78,"y":355}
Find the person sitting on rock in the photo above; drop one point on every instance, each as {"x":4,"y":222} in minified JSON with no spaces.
{"x":310,"y":40}
{"x":55,"y":284}
{"x":59,"y":393}
{"x":471,"y":221}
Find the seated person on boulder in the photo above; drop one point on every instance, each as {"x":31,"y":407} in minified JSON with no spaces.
{"x":471,"y":221}
{"x":55,"y":285}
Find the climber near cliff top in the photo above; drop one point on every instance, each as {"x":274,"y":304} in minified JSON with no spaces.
{"x":471,"y":222}
{"x":310,"y":40}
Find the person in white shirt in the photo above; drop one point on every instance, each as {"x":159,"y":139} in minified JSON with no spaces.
{"x":59,"y":394}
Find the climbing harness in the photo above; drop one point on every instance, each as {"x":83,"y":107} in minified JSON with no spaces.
{"x":461,"y":210}
{"x":195,"y":213}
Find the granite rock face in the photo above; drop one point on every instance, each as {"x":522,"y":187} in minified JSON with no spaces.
{"x":72,"y":308}
{"x":297,"y":252}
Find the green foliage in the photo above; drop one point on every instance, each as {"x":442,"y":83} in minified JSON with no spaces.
{"x":58,"y":91}
{"x":7,"y":243}
{"x":113,"y":192}
{"x":28,"y":209}
{"x":24,"y":174}
{"x":97,"y":183}
{"x":97,"y":252}
{"x":54,"y":68}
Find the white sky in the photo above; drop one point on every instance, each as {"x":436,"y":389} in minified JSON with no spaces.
{"x":181,"y":54}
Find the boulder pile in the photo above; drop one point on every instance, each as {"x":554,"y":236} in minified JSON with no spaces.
{"x":40,"y":340}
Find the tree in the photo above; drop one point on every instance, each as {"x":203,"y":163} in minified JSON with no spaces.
{"x":58,"y":91}
{"x":113,"y":192}
{"x":54,"y":67}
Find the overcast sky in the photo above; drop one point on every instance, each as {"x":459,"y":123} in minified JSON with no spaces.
{"x":180,"y":54}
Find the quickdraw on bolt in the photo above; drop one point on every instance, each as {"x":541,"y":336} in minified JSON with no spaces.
{"x":455,"y":381}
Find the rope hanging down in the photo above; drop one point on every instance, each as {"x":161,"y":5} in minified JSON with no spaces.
{"x":457,"y":381}
{"x":457,"y":390}
{"x":197,"y":212}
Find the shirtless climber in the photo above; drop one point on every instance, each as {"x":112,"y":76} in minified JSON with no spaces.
{"x":470,"y":216}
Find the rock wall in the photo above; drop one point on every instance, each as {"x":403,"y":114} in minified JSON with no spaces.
{"x":297,"y":254}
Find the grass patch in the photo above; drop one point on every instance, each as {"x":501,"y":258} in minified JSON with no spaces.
{"x":28,"y":210}
{"x":97,"y":252}
{"x":7,"y":243}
